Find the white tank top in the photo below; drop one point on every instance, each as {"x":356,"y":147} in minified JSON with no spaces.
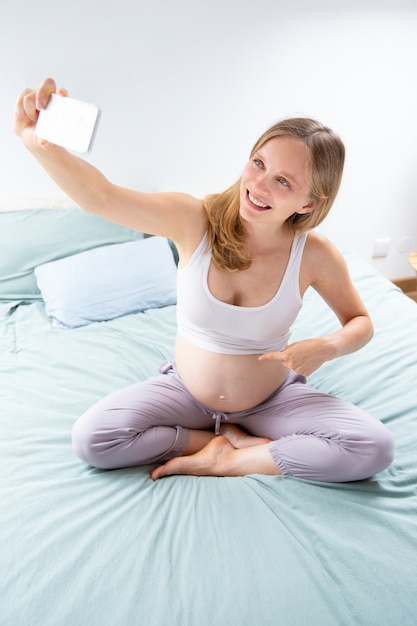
{"x":228,"y":329}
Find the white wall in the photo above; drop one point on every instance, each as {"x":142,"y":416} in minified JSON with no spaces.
{"x":186,"y":87}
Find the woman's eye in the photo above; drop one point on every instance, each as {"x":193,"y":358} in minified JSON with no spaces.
{"x":283,"y":181}
{"x":257,"y":162}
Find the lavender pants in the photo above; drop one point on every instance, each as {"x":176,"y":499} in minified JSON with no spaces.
{"x":314,"y":436}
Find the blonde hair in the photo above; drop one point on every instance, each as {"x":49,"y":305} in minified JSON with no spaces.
{"x":325,"y":154}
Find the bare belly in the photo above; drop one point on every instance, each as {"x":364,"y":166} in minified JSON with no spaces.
{"x":227,"y":382}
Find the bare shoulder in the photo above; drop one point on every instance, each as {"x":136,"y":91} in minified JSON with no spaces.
{"x":319,"y":249}
{"x":191,"y":218}
{"x":187,"y":223}
{"x":325,"y":269}
{"x":316,"y":242}
{"x":322,"y":261}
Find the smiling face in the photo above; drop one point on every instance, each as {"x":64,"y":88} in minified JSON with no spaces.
{"x":273,"y":184}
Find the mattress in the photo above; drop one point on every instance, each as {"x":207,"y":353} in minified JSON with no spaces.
{"x":86,"y":547}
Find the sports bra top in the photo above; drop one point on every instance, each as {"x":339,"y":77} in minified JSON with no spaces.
{"x":225,"y":328}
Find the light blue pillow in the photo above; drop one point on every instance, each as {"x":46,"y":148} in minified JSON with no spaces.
{"x":31,"y":237}
{"x":108,"y":282}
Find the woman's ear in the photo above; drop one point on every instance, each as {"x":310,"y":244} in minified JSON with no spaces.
{"x":308,"y":208}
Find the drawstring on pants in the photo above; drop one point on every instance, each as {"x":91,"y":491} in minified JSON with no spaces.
{"x":218,"y":416}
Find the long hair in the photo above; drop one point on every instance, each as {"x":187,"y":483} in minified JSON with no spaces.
{"x":325,"y":155}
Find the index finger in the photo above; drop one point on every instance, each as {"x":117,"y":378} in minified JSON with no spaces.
{"x":271,"y":356}
{"x":44,"y":92}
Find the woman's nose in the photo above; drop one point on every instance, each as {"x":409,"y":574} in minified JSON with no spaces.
{"x":262,"y":181}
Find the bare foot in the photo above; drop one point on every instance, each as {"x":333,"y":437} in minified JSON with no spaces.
{"x":209,"y":461}
{"x":240,"y":438}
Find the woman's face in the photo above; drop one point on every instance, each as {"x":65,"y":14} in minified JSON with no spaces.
{"x":273,"y":184}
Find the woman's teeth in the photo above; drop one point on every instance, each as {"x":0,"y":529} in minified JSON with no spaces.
{"x":258,"y":203}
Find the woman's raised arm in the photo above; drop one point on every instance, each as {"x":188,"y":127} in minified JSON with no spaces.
{"x":166,"y":214}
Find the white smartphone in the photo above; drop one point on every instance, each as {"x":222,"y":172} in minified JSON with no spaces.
{"x":68,"y":123}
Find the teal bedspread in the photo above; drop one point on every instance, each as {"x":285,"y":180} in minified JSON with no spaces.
{"x":84,"y":547}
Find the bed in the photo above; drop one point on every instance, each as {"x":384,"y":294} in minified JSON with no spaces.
{"x":85,"y":547}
